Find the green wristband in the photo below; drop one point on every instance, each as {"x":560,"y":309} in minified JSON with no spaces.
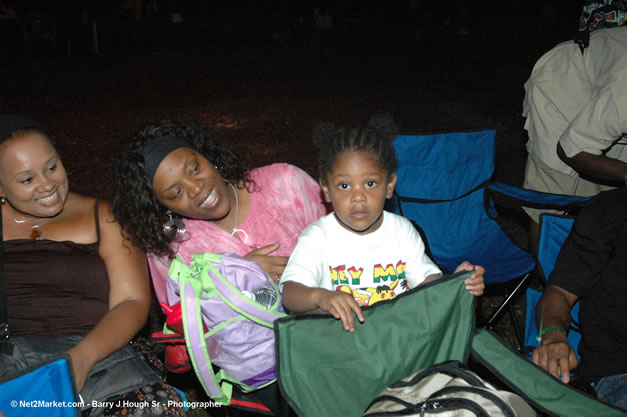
{"x":550,"y":329}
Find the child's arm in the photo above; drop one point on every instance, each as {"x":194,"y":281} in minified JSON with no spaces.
{"x":299,"y":298}
{"x":430,"y":278}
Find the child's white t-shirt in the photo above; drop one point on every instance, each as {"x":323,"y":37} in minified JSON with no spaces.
{"x":373,"y":267}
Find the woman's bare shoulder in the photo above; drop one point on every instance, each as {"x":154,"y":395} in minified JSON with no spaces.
{"x":76,"y":222}
{"x":79,"y":208}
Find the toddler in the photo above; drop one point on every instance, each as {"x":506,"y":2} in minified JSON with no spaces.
{"x":359,"y":254}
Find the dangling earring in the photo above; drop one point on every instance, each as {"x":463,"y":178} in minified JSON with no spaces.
{"x":173,"y":225}
{"x":3,"y":200}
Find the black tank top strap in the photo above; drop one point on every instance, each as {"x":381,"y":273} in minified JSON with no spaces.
{"x":97,"y":219}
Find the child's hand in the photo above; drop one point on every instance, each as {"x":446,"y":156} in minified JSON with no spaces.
{"x":474,"y":284}
{"x":342,"y":306}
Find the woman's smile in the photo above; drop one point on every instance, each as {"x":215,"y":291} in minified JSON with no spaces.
{"x":211,"y":200}
{"x":48,"y":200}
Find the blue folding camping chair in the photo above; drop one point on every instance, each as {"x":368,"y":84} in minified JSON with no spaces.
{"x":45,"y":390}
{"x":444,"y":186}
{"x":553,"y":231}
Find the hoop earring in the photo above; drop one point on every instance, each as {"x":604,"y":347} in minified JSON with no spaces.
{"x":174,"y":226}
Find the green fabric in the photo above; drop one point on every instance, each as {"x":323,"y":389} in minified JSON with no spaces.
{"x":326,"y":371}
{"x":532,"y":383}
{"x":225,"y":388}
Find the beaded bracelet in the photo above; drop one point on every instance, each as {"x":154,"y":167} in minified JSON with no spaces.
{"x":550,"y":329}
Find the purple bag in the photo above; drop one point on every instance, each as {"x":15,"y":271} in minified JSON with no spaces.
{"x":228,"y":306}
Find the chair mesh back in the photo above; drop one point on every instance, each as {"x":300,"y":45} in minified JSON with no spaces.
{"x":428,"y":162}
{"x":553,"y":231}
{"x":449,"y":167}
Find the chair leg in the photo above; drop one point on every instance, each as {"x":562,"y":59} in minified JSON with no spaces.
{"x":517,"y":328}
{"x":508,"y":305}
{"x":494,"y":317}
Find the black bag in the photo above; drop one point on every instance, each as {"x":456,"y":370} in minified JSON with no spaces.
{"x":447,"y":389}
{"x":119,"y":373}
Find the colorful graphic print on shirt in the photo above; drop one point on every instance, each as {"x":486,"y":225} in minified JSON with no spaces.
{"x":384,"y":284}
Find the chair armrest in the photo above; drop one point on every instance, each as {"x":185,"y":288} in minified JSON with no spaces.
{"x":535,"y":199}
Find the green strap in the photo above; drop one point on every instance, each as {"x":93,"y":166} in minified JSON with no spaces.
{"x":224,"y":387}
{"x":534,"y":384}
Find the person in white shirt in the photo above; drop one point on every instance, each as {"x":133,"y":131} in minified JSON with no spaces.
{"x":359,"y":254}
{"x":576,"y":116}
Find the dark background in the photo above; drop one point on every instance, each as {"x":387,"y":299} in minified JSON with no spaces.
{"x":265,"y":72}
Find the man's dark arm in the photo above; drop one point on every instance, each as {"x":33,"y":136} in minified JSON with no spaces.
{"x":596,"y":167}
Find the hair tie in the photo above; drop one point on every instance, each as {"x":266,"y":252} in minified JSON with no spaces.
{"x":157,"y":149}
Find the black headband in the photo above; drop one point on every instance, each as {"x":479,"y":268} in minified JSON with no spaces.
{"x":10,"y":123}
{"x":157,"y":149}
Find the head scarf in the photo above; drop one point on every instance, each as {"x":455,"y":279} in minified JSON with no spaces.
{"x":598,"y":14}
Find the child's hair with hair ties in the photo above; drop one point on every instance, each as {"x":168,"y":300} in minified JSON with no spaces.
{"x":376,"y":139}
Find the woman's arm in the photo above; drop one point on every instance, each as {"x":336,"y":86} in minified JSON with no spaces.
{"x":129,"y":298}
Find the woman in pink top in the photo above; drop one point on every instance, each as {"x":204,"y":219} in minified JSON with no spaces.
{"x":178,"y":190}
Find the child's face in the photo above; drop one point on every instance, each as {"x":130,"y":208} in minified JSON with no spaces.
{"x":357,"y":187}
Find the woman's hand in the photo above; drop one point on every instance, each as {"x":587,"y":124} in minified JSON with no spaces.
{"x":273,"y":265}
{"x":82,"y":364}
{"x":474,"y":284}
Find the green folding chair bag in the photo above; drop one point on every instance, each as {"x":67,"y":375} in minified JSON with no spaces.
{"x":326,"y":371}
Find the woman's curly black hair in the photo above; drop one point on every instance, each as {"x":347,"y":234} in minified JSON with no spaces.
{"x":376,"y":138}
{"x":135,"y":206}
